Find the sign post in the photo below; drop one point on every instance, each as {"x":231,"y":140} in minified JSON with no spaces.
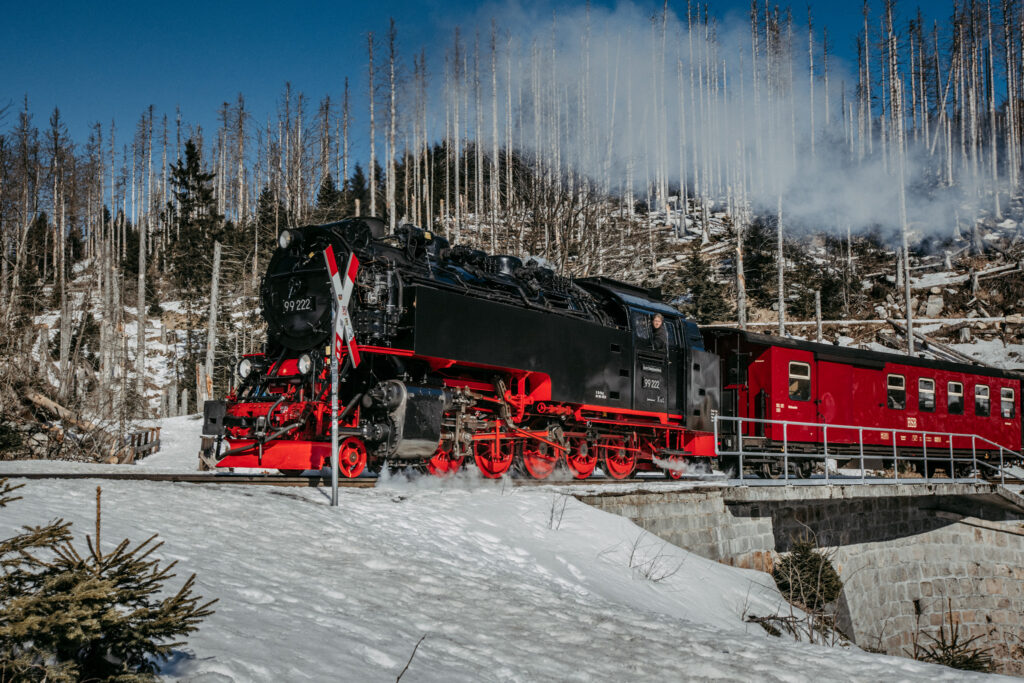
{"x":344,"y":335}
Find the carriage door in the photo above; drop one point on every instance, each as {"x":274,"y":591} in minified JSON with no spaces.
{"x":798,"y":400}
{"x":650,"y":372}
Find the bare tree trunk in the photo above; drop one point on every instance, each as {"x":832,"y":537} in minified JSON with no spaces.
{"x":994,"y":143}
{"x":140,"y":318}
{"x":741,"y":279}
{"x":495,"y":172}
{"x":896,"y":109}
{"x":457,"y":199}
{"x":392,"y":116}
{"x":781,"y":268}
{"x":867,"y":82}
{"x":211,"y":330}
{"x":810,"y":58}
{"x":345,"y":122}
{"x":373,"y":147}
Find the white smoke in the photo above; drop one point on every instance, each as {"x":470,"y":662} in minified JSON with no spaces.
{"x":616,"y":93}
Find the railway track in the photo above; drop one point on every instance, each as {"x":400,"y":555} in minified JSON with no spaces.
{"x":282,"y":480}
{"x":370,"y":482}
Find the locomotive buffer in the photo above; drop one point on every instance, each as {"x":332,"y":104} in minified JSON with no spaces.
{"x":345,"y":334}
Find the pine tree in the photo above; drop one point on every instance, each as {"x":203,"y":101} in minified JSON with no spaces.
{"x":196,"y":221}
{"x":197,"y":226}
{"x":70,"y":616}
{"x":806,"y":577}
{"x":357,"y":188}
{"x":706,"y":301}
{"x":329,"y":202}
{"x":759,"y":246}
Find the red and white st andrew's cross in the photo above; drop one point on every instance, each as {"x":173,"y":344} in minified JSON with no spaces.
{"x":343,"y":330}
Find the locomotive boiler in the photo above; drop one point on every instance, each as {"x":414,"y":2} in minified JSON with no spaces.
{"x":458,"y":356}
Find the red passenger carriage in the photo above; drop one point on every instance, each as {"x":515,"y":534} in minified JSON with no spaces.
{"x":781,"y":389}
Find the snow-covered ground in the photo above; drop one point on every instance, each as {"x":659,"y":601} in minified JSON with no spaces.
{"x":499,"y":581}
{"x":180,"y":439}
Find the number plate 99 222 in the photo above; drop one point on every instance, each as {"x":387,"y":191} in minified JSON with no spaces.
{"x":296,"y":305}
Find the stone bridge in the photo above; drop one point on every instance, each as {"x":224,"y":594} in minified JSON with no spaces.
{"x":901,"y":550}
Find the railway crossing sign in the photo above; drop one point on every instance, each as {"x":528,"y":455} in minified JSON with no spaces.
{"x":343,"y":334}
{"x":343,"y":330}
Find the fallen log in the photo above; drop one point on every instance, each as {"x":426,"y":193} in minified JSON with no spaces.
{"x":60,"y":411}
{"x":948,"y":351}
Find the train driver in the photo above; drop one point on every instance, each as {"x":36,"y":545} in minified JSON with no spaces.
{"x":660,"y":333}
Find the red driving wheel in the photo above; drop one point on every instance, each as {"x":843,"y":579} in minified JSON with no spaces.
{"x":444,"y":463}
{"x":619,"y":462}
{"x":351,"y":457}
{"x":493,"y":456}
{"x":674,"y":470}
{"x":581,"y":458}
{"x":540,"y":460}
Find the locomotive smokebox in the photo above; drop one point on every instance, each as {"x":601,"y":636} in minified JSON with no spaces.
{"x":414,"y":416}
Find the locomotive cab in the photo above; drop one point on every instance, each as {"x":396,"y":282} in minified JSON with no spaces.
{"x":672,"y":371}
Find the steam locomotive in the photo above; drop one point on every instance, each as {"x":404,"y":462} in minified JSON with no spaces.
{"x":461,"y":355}
{"x":455,"y":354}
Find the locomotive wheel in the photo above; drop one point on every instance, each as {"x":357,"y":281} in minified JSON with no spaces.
{"x":674,"y":474}
{"x":619,"y":462}
{"x":493,"y":460}
{"x":444,"y":463}
{"x":351,"y":457}
{"x":540,"y":461}
{"x":291,"y":473}
{"x":581,"y":459}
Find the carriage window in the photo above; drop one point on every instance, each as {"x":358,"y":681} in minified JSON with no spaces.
{"x":896,"y":387}
{"x":955,"y":398}
{"x":981,"y":406}
{"x":799,"y":382}
{"x":1007,"y":406}
{"x":926,"y":394}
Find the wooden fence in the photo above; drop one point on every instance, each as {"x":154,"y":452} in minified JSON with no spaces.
{"x":135,"y":445}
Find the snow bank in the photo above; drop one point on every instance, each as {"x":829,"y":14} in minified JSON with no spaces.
{"x":502,"y":583}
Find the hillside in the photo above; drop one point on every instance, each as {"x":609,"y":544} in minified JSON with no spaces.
{"x":497,"y":588}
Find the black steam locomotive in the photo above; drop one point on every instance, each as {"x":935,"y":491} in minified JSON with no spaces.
{"x":464,"y":354}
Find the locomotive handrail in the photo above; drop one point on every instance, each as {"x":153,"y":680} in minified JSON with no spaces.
{"x":975,"y":441}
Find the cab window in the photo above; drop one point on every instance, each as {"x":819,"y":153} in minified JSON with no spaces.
{"x":799,"y":382}
{"x":981,"y":402}
{"x":926,"y":394}
{"x":1007,"y":406}
{"x":955,"y":398}
{"x":642,"y":326}
{"x":670,"y":329}
{"x":896,"y":392}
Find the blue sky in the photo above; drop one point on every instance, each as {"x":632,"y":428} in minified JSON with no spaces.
{"x":110,"y":60}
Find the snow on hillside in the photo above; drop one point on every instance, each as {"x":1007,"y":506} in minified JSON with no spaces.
{"x":478,"y":569}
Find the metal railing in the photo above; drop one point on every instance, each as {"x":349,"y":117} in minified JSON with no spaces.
{"x":947,"y":452}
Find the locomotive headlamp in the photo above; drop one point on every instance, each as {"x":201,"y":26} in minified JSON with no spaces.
{"x":305,"y":364}
{"x":244,"y":368}
{"x":285,"y":239}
